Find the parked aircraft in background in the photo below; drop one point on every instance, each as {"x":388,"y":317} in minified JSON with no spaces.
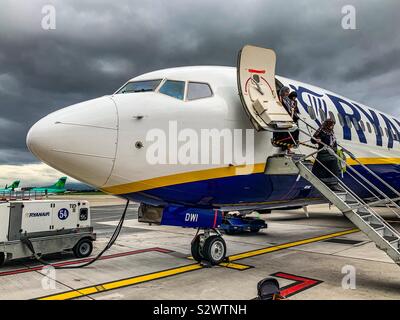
{"x":58,"y":187}
{"x":10,"y":188}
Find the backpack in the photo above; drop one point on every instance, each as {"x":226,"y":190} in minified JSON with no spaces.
{"x":268,"y":289}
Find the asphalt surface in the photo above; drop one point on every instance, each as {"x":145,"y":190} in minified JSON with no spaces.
{"x":306,"y":255}
{"x":103,"y":214}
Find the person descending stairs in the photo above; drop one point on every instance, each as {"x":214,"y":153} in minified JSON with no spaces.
{"x":325,"y":176}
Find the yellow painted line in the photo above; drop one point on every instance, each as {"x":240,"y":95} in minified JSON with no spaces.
{"x":253,"y":253}
{"x":121,"y":283}
{"x":214,"y":173}
{"x":231,"y":265}
{"x":236,"y":266}
{"x":192,"y":267}
{"x":100,"y":288}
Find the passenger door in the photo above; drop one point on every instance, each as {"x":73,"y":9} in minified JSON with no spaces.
{"x":257,"y":90}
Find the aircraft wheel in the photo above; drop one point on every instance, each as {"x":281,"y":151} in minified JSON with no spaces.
{"x":83,"y":248}
{"x":2,"y":258}
{"x":214,"y":249}
{"x":196,"y":249}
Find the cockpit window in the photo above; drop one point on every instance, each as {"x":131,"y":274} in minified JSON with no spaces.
{"x":173,"y":88}
{"x":197,"y":90}
{"x":140,"y":86}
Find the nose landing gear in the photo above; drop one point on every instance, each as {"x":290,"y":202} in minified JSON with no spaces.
{"x":209,"y":248}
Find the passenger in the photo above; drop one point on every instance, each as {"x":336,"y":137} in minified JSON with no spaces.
{"x":325,"y":135}
{"x":295,"y":114}
{"x":283,"y":139}
{"x":284,"y":98}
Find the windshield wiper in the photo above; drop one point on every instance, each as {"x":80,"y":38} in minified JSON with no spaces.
{"x":137,"y":90}
{"x":143,"y":90}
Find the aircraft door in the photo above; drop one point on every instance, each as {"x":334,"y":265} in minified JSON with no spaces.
{"x":257,"y":90}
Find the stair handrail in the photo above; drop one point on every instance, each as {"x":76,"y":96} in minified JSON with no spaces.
{"x":353,"y":157}
{"x":385,"y":196}
{"x":359,"y":200}
{"x":326,"y":147}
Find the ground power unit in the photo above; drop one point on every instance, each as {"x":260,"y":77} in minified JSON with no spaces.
{"x":50,"y":226}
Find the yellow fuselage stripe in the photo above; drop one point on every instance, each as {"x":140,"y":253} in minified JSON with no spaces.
{"x":214,"y":173}
{"x":192,"y":267}
{"x":368,"y":161}
{"x":185,"y":177}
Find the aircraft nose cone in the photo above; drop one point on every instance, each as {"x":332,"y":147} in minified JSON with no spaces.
{"x":79,"y":140}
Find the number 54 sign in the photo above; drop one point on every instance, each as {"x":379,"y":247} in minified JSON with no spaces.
{"x":63,"y":214}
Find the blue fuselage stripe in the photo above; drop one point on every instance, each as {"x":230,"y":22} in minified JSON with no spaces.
{"x":257,"y":188}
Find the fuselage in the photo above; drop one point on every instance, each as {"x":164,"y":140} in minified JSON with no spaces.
{"x":47,"y":190}
{"x":106,"y":143}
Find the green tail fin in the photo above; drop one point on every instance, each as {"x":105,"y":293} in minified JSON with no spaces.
{"x":14,"y":185}
{"x":60,"y":184}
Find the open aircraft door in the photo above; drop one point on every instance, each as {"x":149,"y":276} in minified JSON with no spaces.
{"x":257,"y":90}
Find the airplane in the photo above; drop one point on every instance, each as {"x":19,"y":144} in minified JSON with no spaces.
{"x":58,"y":187}
{"x":106,"y":143}
{"x":10,"y":188}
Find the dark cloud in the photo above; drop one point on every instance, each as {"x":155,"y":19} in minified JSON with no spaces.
{"x":100,"y":44}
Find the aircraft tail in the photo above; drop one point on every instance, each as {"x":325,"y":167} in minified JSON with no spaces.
{"x":14,"y":185}
{"x":60,"y":184}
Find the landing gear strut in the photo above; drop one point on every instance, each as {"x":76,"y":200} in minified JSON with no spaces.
{"x":209,"y":247}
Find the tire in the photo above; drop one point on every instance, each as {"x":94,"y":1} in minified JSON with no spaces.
{"x":254,"y":230}
{"x":2,"y":258}
{"x":214,"y":249}
{"x":83,"y":248}
{"x":195,"y":249}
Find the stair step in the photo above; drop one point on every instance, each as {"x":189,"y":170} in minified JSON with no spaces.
{"x":395,"y":243}
{"x":350,"y":198}
{"x":363,"y":213}
{"x":341,"y":195}
{"x":377,"y":226}
{"x":390,"y":238}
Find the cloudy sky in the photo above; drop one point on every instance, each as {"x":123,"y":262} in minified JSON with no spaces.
{"x":99,"y":44}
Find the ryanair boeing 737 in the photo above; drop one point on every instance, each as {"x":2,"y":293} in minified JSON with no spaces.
{"x":157,"y":141}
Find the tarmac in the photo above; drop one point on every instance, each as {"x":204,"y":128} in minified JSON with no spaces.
{"x":319,"y":257}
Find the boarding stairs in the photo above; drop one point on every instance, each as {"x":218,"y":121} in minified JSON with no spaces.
{"x":360,"y":211}
{"x":360,"y":214}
